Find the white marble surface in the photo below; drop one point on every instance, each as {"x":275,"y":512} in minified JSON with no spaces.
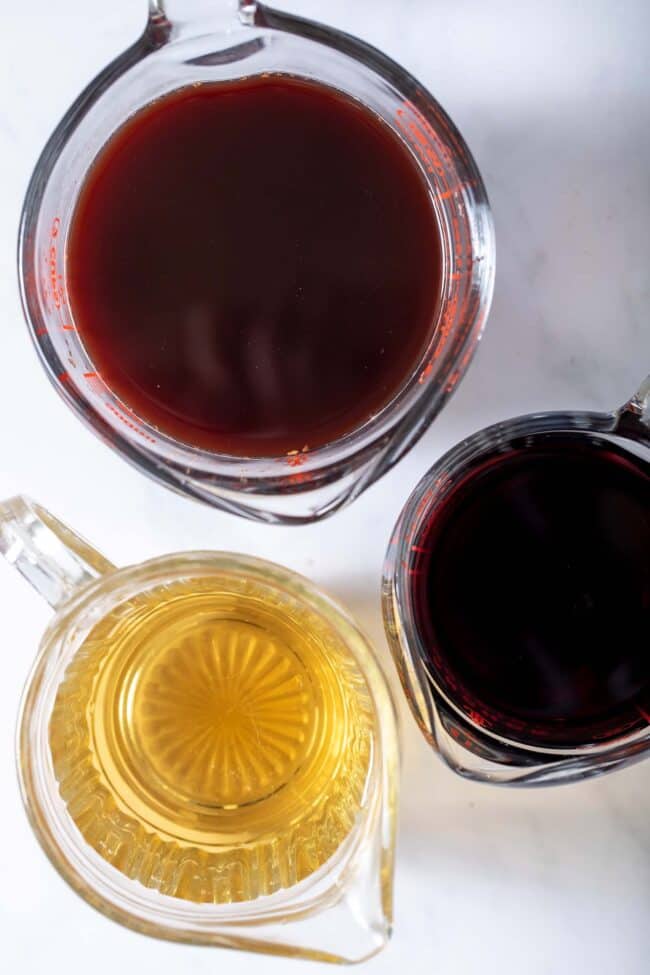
{"x":553,"y":99}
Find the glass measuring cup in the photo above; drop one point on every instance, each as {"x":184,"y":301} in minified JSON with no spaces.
{"x":466,"y":735}
{"x":187,"y":42}
{"x":207,"y":748}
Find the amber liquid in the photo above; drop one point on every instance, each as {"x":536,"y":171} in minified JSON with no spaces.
{"x":255,"y":267}
{"x":213,"y":740}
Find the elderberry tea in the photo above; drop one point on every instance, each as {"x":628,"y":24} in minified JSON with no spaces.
{"x":532,"y":593}
{"x":517,"y":597}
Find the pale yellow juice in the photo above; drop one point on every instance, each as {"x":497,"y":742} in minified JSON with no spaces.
{"x":212,"y":741}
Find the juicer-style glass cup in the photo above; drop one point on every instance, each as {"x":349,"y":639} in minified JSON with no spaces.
{"x":459,"y":733}
{"x":207,"y":748}
{"x":188,"y":42}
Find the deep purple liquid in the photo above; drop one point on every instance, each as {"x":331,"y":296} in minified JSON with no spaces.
{"x":532,"y":593}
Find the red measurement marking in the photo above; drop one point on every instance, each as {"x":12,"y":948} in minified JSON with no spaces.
{"x":63,"y":377}
{"x":476,"y":717}
{"x":131,"y":426}
{"x":441,"y":483}
{"x":418,"y":548}
{"x":455,"y":190}
{"x":300,"y":478}
{"x":446,"y":325}
{"x":453,"y":381}
{"x":296,"y":458}
{"x":437,"y":158}
{"x":428,"y":156}
{"x":426,"y":372}
{"x":68,"y":328}
{"x":57,"y":290}
{"x":94,"y":382}
{"x":53,"y":277}
{"x":422,"y":507}
{"x":128,"y":411}
{"x":41,"y":330}
{"x":466,"y":360}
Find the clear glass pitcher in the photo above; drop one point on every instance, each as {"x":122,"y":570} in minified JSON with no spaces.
{"x":469,"y":743}
{"x":192,"y":41}
{"x":207,"y":748}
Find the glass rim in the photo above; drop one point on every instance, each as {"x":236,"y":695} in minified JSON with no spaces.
{"x":100,"y":883}
{"x":396,"y":426}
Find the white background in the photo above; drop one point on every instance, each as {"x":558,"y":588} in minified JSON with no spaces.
{"x":552,"y":97}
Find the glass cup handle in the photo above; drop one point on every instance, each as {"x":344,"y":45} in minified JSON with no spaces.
{"x":185,"y":14}
{"x":633,"y":419}
{"x":56,"y":561}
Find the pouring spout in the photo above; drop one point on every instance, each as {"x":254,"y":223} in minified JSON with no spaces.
{"x":184,"y":16}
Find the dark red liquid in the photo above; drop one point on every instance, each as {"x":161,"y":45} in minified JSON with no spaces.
{"x":255,"y":267}
{"x":533,"y":593}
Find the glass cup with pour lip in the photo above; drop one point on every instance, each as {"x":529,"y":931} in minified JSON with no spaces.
{"x":470,"y":741}
{"x":187,"y":42}
{"x":207,"y":748}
